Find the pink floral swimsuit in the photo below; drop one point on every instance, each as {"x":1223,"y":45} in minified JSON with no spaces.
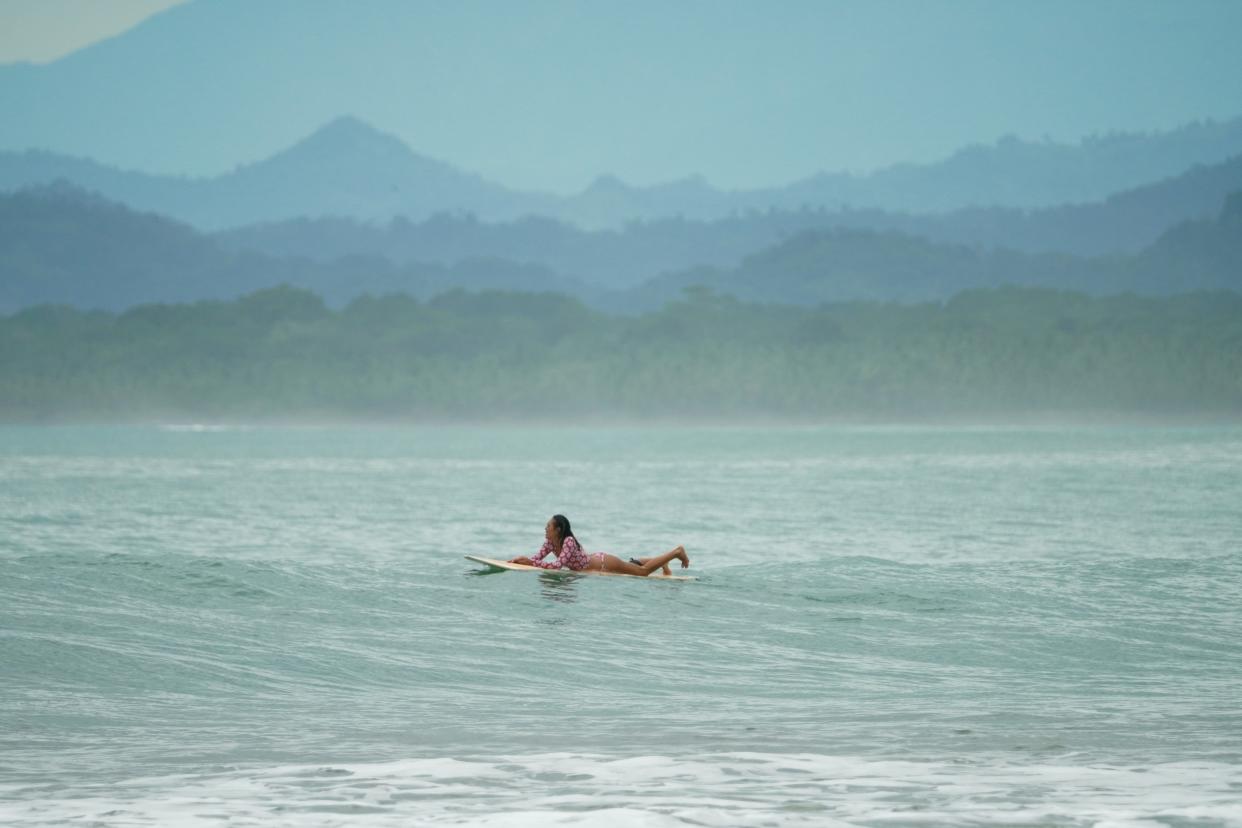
{"x":571,"y":557}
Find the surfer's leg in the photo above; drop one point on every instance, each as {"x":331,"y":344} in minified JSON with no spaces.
{"x":614,"y":564}
{"x":678,"y":552}
{"x":644,"y":561}
{"x":611,"y":563}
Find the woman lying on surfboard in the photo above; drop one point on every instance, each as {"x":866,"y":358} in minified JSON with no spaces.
{"x":559,"y":540}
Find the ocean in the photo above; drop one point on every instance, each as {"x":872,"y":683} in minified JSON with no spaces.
{"x":890,"y":626}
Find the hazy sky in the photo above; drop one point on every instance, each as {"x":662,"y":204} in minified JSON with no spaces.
{"x":43,"y":30}
{"x":551,"y":93}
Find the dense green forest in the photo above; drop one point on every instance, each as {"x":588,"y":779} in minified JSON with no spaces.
{"x":283,"y":354}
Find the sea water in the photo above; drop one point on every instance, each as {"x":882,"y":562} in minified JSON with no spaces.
{"x":890,"y":626}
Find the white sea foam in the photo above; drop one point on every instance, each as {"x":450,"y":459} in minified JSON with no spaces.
{"x":735,"y":789}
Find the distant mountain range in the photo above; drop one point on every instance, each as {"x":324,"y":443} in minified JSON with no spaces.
{"x":569,"y":90}
{"x":620,"y":259}
{"x":62,"y":245}
{"x":981,"y":195}
{"x":848,"y":265}
{"x":1126,"y":221}
{"x":344,"y":169}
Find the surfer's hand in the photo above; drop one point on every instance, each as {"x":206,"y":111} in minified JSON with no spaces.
{"x":521,"y":559}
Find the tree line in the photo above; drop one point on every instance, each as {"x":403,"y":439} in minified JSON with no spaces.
{"x":283,"y":354}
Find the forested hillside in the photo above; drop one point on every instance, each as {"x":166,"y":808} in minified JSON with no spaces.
{"x":282,"y":354}
{"x":842,"y":265}
{"x":1125,"y":222}
{"x":61,"y":245}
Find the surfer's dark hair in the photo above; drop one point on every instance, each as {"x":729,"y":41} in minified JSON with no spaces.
{"x":562,"y":525}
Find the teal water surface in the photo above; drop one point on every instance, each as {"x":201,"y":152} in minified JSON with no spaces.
{"x":891,"y":626}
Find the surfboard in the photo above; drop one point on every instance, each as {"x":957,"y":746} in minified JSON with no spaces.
{"x":500,"y":566}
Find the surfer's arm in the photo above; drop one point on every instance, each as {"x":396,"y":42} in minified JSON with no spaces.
{"x":544,"y":551}
{"x":537,"y":558}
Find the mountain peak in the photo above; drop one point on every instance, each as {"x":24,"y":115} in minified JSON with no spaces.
{"x":347,"y":134}
{"x":351,"y":147}
{"x":347,"y":126}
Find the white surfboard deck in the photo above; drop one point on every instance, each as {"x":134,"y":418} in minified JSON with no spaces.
{"x":499,"y":565}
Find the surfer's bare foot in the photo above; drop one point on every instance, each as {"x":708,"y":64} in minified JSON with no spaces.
{"x":681,"y":556}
